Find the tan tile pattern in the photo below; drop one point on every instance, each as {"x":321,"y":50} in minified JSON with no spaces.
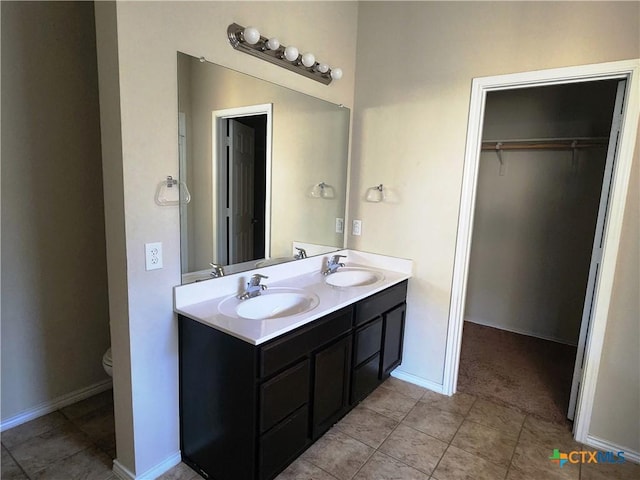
{"x":608,"y":471}
{"x":414,"y":448}
{"x":74,"y":443}
{"x":40,"y":451}
{"x":460,"y":403}
{"x":87,"y":464}
{"x":401,"y":432}
{"x":303,"y":470}
{"x":457,"y":464}
{"x":389,"y":403}
{"x":10,"y":469}
{"x":432,"y":421}
{"x":531,"y":461}
{"x":367,"y":426}
{"x":542,"y":432}
{"x":405,"y":388}
{"x":180,"y":472}
{"x":492,"y":444}
{"x":21,"y":433}
{"x":383,"y":467}
{"x":338,"y":454}
{"x":497,"y":416}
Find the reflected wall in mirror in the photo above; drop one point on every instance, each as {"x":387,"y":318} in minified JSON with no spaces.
{"x":252,"y":154}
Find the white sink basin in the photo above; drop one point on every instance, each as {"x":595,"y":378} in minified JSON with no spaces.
{"x":272,"y":303}
{"x":353,"y":277}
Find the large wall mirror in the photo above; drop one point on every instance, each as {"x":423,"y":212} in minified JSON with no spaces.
{"x":266,"y":168}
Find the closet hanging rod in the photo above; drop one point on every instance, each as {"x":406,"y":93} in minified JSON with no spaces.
{"x":545,"y":143}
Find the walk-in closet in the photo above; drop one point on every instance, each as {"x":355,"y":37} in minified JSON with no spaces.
{"x":542,"y":166}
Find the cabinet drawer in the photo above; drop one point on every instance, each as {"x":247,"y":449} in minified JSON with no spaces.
{"x":365,"y":379}
{"x":283,"y":394}
{"x":301,"y":342}
{"x":282,"y":444}
{"x":379,"y":303}
{"x":368,"y":340}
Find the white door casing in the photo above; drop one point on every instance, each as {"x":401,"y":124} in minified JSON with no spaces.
{"x":219,"y":171}
{"x":629,"y":70}
{"x":596,"y":251}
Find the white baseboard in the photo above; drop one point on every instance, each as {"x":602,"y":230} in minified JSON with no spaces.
{"x":528,"y":333}
{"x":123,"y":473}
{"x":55,"y":404}
{"x":608,"y":446}
{"x":421,"y":382}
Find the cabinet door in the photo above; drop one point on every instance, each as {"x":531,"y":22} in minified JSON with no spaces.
{"x":332,"y":367}
{"x":392,"y":342}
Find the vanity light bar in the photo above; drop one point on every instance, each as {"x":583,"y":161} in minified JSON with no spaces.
{"x":249,"y":40}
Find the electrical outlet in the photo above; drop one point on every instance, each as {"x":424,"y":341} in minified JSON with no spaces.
{"x":153,"y":255}
{"x":339,"y":225}
{"x":356,"y":228}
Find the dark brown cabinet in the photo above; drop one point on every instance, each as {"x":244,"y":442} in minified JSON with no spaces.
{"x":377,"y":339}
{"x":332,"y":371}
{"x":247,"y":411}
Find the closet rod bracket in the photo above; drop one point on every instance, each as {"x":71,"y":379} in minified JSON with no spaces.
{"x":499,"y":154}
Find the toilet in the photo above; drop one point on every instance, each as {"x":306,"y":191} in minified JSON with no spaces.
{"x":107,"y":362}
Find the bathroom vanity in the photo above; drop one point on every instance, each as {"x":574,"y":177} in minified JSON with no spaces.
{"x":255,"y":393}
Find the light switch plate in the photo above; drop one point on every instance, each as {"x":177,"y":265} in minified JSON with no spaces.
{"x":356,"y":228}
{"x":339,"y":225}
{"x":153,"y":255}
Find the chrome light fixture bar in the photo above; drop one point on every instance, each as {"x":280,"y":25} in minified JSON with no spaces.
{"x":249,"y":40}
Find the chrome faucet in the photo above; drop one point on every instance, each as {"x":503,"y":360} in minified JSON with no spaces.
{"x":254,"y":287}
{"x":333,"y":264}
{"x":302,"y":253}
{"x":218,"y":270}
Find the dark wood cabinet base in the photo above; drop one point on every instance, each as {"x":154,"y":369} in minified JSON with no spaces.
{"x":247,"y":411}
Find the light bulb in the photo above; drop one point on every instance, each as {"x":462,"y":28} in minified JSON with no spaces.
{"x":251,"y":35}
{"x":336,"y":73}
{"x":273,"y":44}
{"x":323,"y":68}
{"x":308,"y":59}
{"x":291,"y":53}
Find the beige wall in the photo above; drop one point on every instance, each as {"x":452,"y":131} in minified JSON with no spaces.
{"x":55,"y":317}
{"x":144,"y":329}
{"x":410,"y":120}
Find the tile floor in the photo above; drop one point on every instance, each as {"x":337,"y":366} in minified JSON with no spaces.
{"x":400,"y":432}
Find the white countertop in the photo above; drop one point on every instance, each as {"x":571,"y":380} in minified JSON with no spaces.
{"x":200,"y":300}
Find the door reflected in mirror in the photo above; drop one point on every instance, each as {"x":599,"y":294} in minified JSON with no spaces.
{"x":252,"y":154}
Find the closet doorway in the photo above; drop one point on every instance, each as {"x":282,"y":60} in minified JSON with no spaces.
{"x":605,"y":225}
{"x":541,"y":185}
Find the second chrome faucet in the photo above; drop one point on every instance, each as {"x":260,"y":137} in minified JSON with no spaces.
{"x":333,"y":264}
{"x":254,"y":287}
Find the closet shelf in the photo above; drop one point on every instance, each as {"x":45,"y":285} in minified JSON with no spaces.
{"x":546,"y":144}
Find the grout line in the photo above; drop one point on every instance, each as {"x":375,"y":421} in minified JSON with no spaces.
{"x":450,"y":441}
{"x":16,"y":462}
{"x":308,"y":461}
{"x":513,"y":454}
